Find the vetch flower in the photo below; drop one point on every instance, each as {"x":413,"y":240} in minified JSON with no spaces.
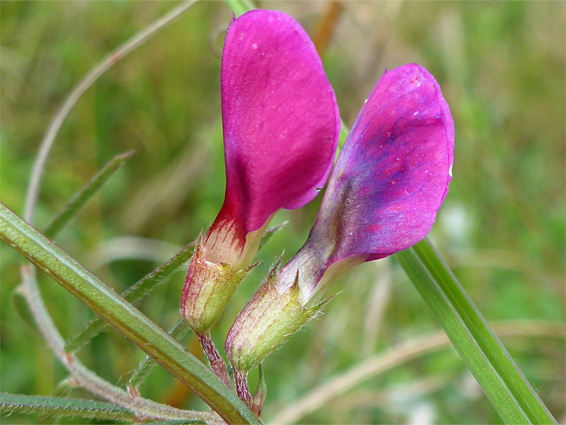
{"x":390,"y":179}
{"x":280,"y":124}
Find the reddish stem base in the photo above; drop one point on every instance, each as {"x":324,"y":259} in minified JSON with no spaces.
{"x":216,"y":362}
{"x":242,"y":389}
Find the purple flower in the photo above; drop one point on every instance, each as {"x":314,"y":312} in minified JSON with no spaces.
{"x":281,"y":124}
{"x":389,"y":182}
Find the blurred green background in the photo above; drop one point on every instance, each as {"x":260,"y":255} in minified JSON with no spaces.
{"x":502,"y":228}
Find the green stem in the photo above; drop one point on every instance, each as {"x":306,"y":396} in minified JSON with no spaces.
{"x":501,"y":380}
{"x":123,"y":316}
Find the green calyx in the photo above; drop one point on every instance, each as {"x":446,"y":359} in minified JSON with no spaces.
{"x":208,"y":288}
{"x":266,"y":322}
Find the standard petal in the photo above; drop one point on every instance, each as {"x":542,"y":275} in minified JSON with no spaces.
{"x":393,"y":172}
{"x":279,"y":116}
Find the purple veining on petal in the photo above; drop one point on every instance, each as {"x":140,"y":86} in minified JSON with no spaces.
{"x":279,"y":115}
{"x":392,"y":174}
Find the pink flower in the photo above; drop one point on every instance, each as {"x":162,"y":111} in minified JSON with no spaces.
{"x":281,"y":124}
{"x":389,"y":181}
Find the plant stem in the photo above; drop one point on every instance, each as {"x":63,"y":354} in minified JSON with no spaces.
{"x":143,"y":408}
{"x":85,"y":377}
{"x":241,"y":380}
{"x":384,"y":361}
{"x":216,"y":362}
{"x":123,"y":316}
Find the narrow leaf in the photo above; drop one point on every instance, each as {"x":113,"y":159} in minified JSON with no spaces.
{"x":60,"y":406}
{"x":123,"y":316}
{"x":133,"y":294}
{"x":177,"y":331}
{"x":62,"y":389}
{"x":269,"y":233}
{"x":260,"y":392}
{"x":501,"y":380}
{"x":82,"y":197}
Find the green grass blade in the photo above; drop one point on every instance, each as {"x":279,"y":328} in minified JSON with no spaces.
{"x":240,"y":7}
{"x":81,"y":198}
{"x":123,"y":316}
{"x":177,"y":331}
{"x":60,"y":406}
{"x":133,"y":294}
{"x":502,"y":382}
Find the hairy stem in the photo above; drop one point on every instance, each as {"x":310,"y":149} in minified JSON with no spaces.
{"x":241,"y":380}
{"x":142,"y":408}
{"x":216,"y":362}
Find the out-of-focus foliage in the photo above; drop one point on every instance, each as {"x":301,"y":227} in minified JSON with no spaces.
{"x":501,"y":67}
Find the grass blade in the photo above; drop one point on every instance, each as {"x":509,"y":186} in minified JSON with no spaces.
{"x":61,"y":406}
{"x":177,"y":331}
{"x":123,"y":316}
{"x":81,"y":198}
{"x":134,"y":293}
{"x":501,"y":380}
{"x":240,"y":7}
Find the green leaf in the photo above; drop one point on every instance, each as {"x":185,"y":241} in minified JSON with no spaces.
{"x":123,"y":316}
{"x":501,"y":380}
{"x":133,"y":294}
{"x":177,"y":331}
{"x":60,"y":406}
{"x":81,"y":198}
{"x":269,"y":233}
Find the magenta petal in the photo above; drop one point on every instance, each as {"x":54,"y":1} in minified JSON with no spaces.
{"x":279,"y":115}
{"x":393,"y":173}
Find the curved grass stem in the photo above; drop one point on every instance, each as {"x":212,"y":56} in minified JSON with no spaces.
{"x":30,"y":290}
